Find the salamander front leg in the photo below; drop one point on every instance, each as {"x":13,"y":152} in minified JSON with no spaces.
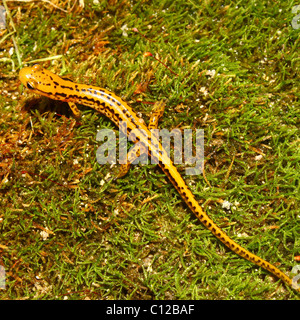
{"x":156,"y":114}
{"x":76,"y":112}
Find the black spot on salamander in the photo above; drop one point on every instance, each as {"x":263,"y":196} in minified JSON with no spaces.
{"x":62,"y":94}
{"x":132,"y":119}
{"x":67,"y":87}
{"x":73,"y":96}
{"x":45,"y":92}
{"x":189,"y":203}
{"x":56,"y":83}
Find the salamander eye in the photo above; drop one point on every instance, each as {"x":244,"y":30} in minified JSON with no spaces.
{"x":30,"y":86}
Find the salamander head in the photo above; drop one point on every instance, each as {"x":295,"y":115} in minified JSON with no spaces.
{"x":40,"y":80}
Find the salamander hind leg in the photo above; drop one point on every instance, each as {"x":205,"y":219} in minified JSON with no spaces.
{"x":134,"y":153}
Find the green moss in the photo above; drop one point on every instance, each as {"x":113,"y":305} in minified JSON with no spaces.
{"x":70,"y":232}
